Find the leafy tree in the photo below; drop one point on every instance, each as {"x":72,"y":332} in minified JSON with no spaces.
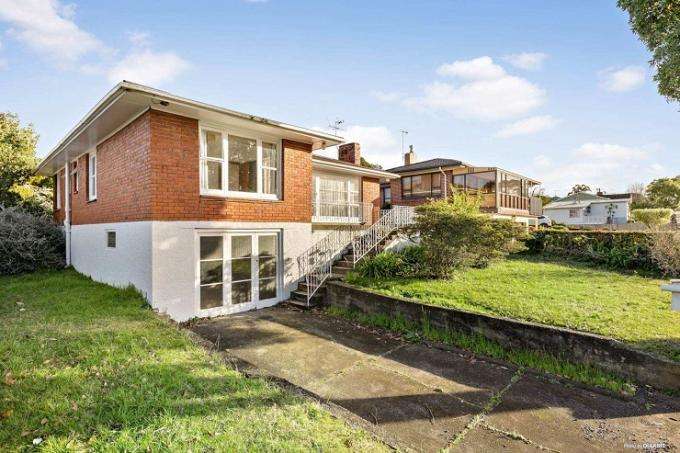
{"x":652,"y":218}
{"x":578,"y":188}
{"x":664,"y":193}
{"x":19,"y":186}
{"x":366,"y":164}
{"x":455,"y":234}
{"x":657,"y":24}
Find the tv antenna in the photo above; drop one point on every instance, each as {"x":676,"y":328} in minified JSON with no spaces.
{"x":336,"y":125}
{"x":404,"y":133}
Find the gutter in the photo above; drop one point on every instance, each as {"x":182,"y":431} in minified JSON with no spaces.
{"x":349,"y":168}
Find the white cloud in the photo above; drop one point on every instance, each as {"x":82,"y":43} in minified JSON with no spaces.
{"x":47,"y":27}
{"x":378,"y":144}
{"x":148,"y":67}
{"x":610,"y":167}
{"x":530,"y":61}
{"x":600,"y":151}
{"x":620,"y":80}
{"x":486,"y":93}
{"x":139,"y":38}
{"x":386,"y":96}
{"x":528,"y":126}
{"x":482,"y":68}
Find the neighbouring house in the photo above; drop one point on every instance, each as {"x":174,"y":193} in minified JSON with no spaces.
{"x":588,"y":209}
{"x":201,"y":208}
{"x":504,"y":193}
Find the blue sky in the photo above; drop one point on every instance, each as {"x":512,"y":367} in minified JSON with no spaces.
{"x":559,"y":91}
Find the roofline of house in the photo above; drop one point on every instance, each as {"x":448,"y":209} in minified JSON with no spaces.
{"x":325,"y":164}
{"x":125,"y":86}
{"x":587,"y":202}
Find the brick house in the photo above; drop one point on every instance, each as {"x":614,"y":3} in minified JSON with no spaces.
{"x":504,"y":193}
{"x":201,"y":208}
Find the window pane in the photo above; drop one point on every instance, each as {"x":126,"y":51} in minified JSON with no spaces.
{"x":421,"y":185}
{"x":213,"y":144}
{"x":267,"y":267}
{"x":211,"y":272}
{"x":407,"y":183}
{"x":241,"y":292}
{"x":241,"y":246}
{"x":211,"y":296}
{"x":436,"y":183}
{"x":267,"y":245}
{"x":459,"y":181}
{"x":211,"y":247}
{"x":267,"y":289}
{"x":242,"y":164}
{"x":240,"y":269}
{"x":269,"y":181}
{"x":270,"y":155}
{"x":213,"y":175}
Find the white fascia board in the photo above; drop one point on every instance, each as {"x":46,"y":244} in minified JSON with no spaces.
{"x":352,"y":169}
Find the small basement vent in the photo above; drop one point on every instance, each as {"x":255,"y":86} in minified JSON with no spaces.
{"x":111,"y":239}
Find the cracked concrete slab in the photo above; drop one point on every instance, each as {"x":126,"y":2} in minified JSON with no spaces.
{"x":427,"y":398}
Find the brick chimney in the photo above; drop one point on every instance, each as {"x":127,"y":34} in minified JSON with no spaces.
{"x":350,"y":153}
{"x":410,"y":156}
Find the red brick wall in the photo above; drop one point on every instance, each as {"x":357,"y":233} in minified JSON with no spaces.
{"x":149,"y":170}
{"x":123,"y":173}
{"x":175,"y":179}
{"x":370,"y":193}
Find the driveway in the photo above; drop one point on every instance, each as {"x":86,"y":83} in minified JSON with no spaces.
{"x":426,"y":399}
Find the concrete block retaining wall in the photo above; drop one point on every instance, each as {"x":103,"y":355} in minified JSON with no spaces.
{"x":606,"y":353}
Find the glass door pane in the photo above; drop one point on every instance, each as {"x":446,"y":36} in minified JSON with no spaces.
{"x":267,"y":266}
{"x":211,"y":276}
{"x":241,"y":269}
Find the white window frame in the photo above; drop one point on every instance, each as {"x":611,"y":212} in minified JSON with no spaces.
{"x":73,"y":172}
{"x":58,"y":189}
{"x":92,"y":176}
{"x":227,"y":307}
{"x":225,"y":192}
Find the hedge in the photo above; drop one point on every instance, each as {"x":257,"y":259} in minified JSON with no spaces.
{"x":625,"y":250}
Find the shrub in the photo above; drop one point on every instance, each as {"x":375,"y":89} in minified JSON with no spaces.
{"x":382,"y":265}
{"x":613,"y":249}
{"x":28,"y":242}
{"x":665,"y":251}
{"x":652,"y":217}
{"x":454,"y":234}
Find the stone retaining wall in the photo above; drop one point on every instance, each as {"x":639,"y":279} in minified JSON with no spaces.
{"x":606,"y":353}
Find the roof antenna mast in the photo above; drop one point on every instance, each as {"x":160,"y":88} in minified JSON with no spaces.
{"x":404,"y":133}
{"x":336,"y":125}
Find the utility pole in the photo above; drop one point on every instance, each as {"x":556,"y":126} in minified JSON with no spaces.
{"x":403,"y":134}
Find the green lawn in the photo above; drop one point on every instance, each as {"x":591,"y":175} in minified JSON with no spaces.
{"x":85,"y":366}
{"x":626,"y":307}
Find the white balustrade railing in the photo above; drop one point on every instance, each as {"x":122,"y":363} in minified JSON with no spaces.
{"x":390,"y":220}
{"x":316,"y":263}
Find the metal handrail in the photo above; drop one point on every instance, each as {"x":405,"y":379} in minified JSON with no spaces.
{"x":390,"y":220}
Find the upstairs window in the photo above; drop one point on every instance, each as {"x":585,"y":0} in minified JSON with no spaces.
{"x":74,"y":176}
{"x":92,"y":176}
{"x":236,"y":164}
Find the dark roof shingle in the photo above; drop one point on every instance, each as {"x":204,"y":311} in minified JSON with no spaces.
{"x":427,"y":165}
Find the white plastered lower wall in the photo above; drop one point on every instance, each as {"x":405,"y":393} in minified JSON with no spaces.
{"x":174,"y":260}
{"x":129,"y":263}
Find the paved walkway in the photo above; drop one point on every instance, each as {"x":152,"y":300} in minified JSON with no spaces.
{"x":427,"y":399}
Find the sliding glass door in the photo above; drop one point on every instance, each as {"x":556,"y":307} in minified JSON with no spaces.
{"x":238,"y":271}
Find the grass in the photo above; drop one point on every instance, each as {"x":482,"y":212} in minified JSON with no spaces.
{"x":627,"y":307}
{"x":478,"y":344}
{"x":86,"y":367}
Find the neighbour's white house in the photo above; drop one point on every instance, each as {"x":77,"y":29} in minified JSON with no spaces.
{"x":588,"y":209}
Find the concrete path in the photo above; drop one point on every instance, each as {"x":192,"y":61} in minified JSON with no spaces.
{"x":427,"y":399}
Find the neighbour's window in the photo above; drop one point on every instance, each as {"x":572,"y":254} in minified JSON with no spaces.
{"x":74,"y":176}
{"x":421,"y":186}
{"x":239,"y":165}
{"x":476,"y":182}
{"x":386,"y":196}
{"x":574,"y":212}
{"x":58,"y":188}
{"x":111,"y":239}
{"x":92,"y":177}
